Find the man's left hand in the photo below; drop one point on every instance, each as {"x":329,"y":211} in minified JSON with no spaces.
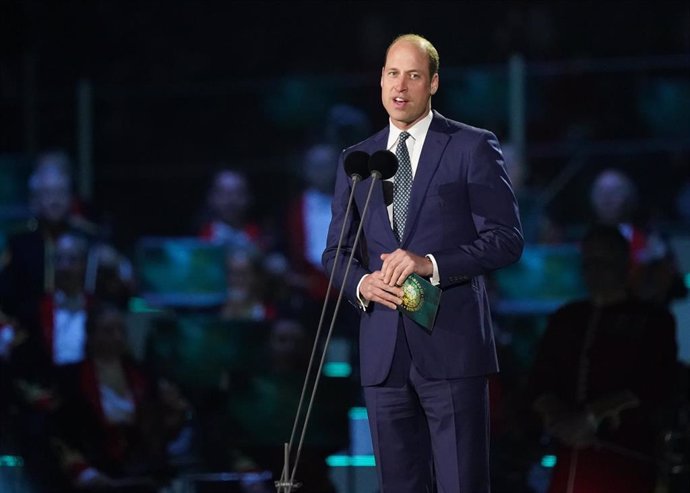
{"x":401,"y":263}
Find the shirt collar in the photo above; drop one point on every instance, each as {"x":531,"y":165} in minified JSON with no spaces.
{"x":416,"y":131}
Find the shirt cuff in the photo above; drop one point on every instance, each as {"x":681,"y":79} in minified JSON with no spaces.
{"x":435,"y":277}
{"x":363,"y":303}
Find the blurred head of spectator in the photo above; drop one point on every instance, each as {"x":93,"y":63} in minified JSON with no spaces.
{"x":229,"y":198}
{"x":319,"y":167}
{"x":112,"y":275}
{"x":613,"y":197}
{"x":245,"y":279}
{"x":227,"y":220}
{"x":50,"y":189}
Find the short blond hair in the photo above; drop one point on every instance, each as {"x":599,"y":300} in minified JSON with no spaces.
{"x":425,"y":45}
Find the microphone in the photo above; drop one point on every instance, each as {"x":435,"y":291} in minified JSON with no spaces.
{"x":383,"y":165}
{"x":357,"y":165}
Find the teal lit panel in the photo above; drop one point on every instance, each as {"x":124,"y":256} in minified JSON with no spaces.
{"x":548,"y":461}
{"x":358,"y":413}
{"x":139,"y":305}
{"x":337,"y":369}
{"x":351,"y":461}
{"x":11,"y":461}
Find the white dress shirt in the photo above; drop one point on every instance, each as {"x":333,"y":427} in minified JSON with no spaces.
{"x":415,"y":143}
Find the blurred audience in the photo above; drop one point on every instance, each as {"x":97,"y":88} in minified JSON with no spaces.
{"x":28,"y":271}
{"x":263,"y":408}
{"x":307,"y":220}
{"x":604,"y":377}
{"x":246,"y":298}
{"x":51,"y":337}
{"x":227,"y":218}
{"x":654,"y":275}
{"x":116,"y":419}
{"x":63,"y":312}
{"x":109,"y":275}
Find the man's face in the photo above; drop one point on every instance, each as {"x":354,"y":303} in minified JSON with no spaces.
{"x":406,"y":85}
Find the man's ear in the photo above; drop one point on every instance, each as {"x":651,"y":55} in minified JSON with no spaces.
{"x":434,"y":84}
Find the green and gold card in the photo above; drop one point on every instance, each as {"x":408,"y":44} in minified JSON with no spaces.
{"x":420,"y":300}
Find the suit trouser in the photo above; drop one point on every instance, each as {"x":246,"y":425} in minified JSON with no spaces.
{"x":424,"y":427}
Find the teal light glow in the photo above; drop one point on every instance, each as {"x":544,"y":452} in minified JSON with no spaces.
{"x":358,"y":413}
{"x":337,"y":369}
{"x":11,"y":461}
{"x":351,"y":461}
{"x":548,"y":461}
{"x":139,"y":305}
{"x":687,"y":280}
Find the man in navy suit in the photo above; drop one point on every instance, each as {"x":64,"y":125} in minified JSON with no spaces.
{"x":427,"y":390}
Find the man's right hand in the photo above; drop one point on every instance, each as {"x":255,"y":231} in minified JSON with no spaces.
{"x":374,"y":289}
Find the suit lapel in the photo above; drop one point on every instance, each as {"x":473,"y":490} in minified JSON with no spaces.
{"x":429,"y":160}
{"x":378,"y":210}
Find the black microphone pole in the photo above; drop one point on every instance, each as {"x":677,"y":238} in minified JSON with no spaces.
{"x":382,"y":165}
{"x":356,"y":167}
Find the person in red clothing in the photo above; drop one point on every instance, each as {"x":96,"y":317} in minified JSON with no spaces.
{"x":309,"y":215}
{"x":654,"y":274}
{"x":228,"y":201}
{"x":116,"y":418}
{"x":603,"y":377}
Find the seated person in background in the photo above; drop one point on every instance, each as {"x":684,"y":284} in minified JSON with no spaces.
{"x":603,"y":377}
{"x":308,"y":217}
{"x":57,"y":332}
{"x":116,"y":420}
{"x":228,"y":202}
{"x":52,"y":336}
{"x":110,"y":275}
{"x":27,"y":272}
{"x":654,"y":275}
{"x":262,"y":408}
{"x":63,"y":314}
{"x":246,"y":298}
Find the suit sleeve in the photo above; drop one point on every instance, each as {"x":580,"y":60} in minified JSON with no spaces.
{"x":494,"y":214}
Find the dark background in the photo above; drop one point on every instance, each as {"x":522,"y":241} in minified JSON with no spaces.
{"x":182,"y":86}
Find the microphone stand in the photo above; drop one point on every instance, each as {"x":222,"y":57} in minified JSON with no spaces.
{"x":286,"y":484}
{"x":287,"y":479}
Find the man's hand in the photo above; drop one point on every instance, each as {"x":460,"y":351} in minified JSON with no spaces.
{"x":401,"y":263}
{"x":374,"y":289}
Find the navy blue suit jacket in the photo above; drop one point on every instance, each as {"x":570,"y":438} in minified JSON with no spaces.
{"x":463,"y":211}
